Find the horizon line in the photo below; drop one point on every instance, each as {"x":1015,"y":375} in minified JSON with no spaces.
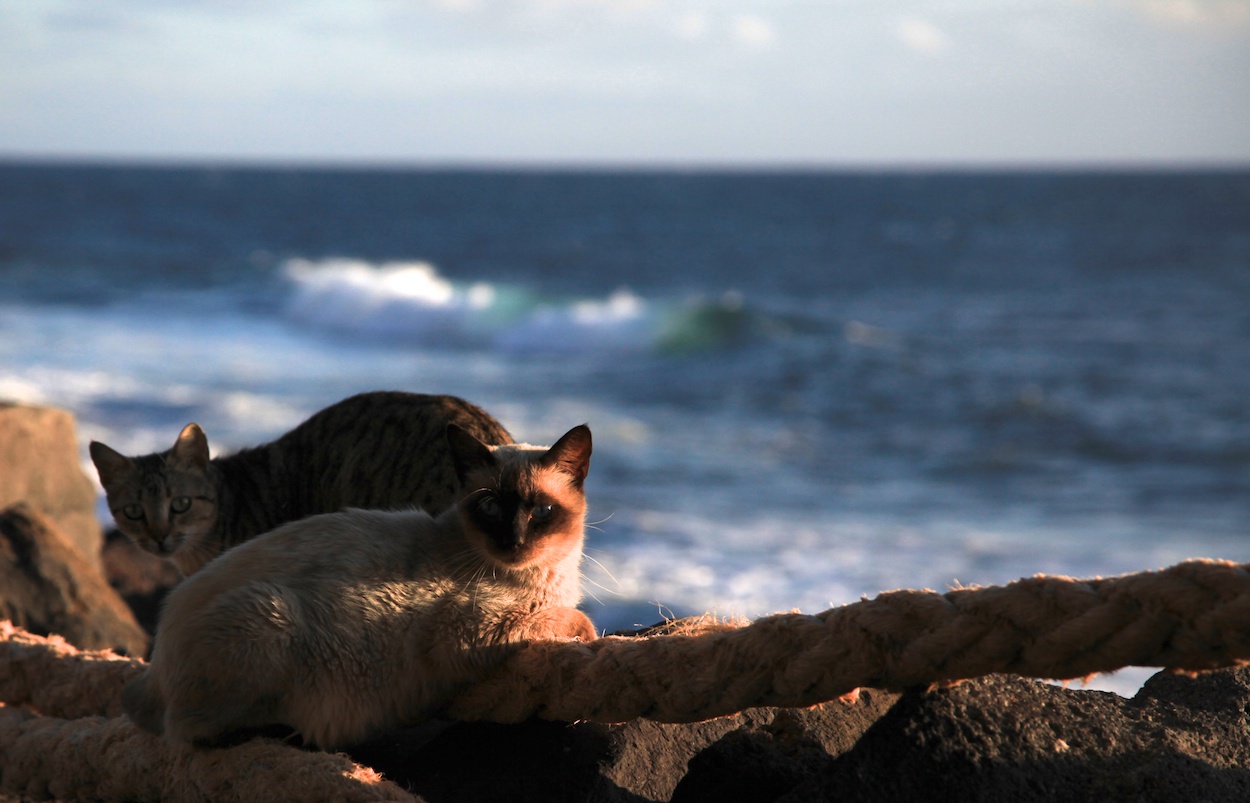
{"x":577,"y":165}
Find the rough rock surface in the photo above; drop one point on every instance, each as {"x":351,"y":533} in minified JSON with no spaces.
{"x":634,"y":761}
{"x":1003,"y":738}
{"x":141,"y":578}
{"x":47,"y":586}
{"x":39,"y":465}
{"x":995,"y":738}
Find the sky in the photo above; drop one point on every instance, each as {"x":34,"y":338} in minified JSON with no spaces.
{"x":629,"y":82}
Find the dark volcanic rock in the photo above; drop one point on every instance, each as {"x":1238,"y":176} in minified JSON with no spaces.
{"x":47,"y":586}
{"x":992,"y":739}
{"x":1006,"y":738}
{"x":635,"y":761}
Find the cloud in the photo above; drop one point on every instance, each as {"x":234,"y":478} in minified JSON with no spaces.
{"x":921,"y":36}
{"x":616,"y":7}
{"x":691,"y":25}
{"x":1199,"y":11}
{"x":628,"y":79}
{"x":753,"y":32}
{"x":1192,"y":13}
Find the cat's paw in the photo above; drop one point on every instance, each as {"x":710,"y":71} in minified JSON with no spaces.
{"x":563,"y":623}
{"x":585,"y":629}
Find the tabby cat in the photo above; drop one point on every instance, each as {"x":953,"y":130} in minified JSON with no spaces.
{"x":385,"y":449}
{"x":346,"y":624}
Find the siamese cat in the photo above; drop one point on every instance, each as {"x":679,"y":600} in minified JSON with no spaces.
{"x":346,"y":624}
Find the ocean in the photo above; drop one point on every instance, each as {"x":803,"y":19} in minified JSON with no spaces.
{"x":804,"y":387}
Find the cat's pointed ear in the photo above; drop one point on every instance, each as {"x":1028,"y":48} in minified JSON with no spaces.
{"x":571,"y":454}
{"x":110,"y":464}
{"x":467,"y":452}
{"x":191,"y":448}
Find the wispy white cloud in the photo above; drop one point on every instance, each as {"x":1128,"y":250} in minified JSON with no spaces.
{"x":459,"y":6}
{"x":922,"y":36}
{"x":754,"y":32}
{"x":1191,"y":13}
{"x":691,"y":25}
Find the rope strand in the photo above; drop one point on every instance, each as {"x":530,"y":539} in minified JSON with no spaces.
{"x":1191,"y":617}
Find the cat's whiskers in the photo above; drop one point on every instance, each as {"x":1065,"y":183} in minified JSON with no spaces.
{"x":593,"y":525}
{"x":588,"y":580}
{"x":586,"y":554}
{"x":473,"y":564}
{"x":477,"y":583}
{"x":476,"y":491}
{"x":470,"y":564}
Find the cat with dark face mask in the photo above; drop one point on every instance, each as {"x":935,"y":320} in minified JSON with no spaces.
{"x":347,"y":624}
{"x":373,"y":450}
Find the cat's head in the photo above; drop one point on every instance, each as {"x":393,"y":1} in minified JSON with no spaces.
{"x":523,"y":505}
{"x":160,"y":501}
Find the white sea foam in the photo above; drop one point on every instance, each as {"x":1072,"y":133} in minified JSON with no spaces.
{"x":396,"y":300}
{"x":411,"y":303}
{"x":679,"y":564}
{"x":623,"y":322}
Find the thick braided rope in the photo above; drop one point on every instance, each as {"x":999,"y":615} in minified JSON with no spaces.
{"x":55,"y":678}
{"x":1191,"y":617}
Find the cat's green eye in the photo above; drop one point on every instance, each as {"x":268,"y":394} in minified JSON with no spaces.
{"x":133,"y":512}
{"x":181,"y":504}
{"x":541,"y":512}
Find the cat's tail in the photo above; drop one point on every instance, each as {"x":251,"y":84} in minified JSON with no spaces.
{"x":144,"y":704}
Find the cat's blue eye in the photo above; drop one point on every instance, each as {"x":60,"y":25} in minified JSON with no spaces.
{"x":489,"y":507}
{"x":541,"y":512}
{"x":181,"y":504}
{"x":133,"y":512}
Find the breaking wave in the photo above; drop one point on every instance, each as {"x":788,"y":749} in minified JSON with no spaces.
{"x":410,"y":303}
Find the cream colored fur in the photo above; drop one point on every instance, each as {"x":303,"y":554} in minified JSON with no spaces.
{"x":345,"y":624}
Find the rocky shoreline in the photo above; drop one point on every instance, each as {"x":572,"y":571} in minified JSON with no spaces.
{"x":994,"y":738}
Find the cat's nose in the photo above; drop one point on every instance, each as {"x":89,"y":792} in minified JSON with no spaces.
{"x":161,"y":539}
{"x":510,"y":542}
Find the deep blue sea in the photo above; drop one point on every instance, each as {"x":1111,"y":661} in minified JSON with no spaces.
{"x":804,"y":387}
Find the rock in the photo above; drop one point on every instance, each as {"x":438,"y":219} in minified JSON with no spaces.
{"x":1007,"y":738}
{"x":994,"y":738}
{"x":47,"y":586}
{"x":635,"y":761}
{"x":40,"y":458}
{"x":141,"y":578}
